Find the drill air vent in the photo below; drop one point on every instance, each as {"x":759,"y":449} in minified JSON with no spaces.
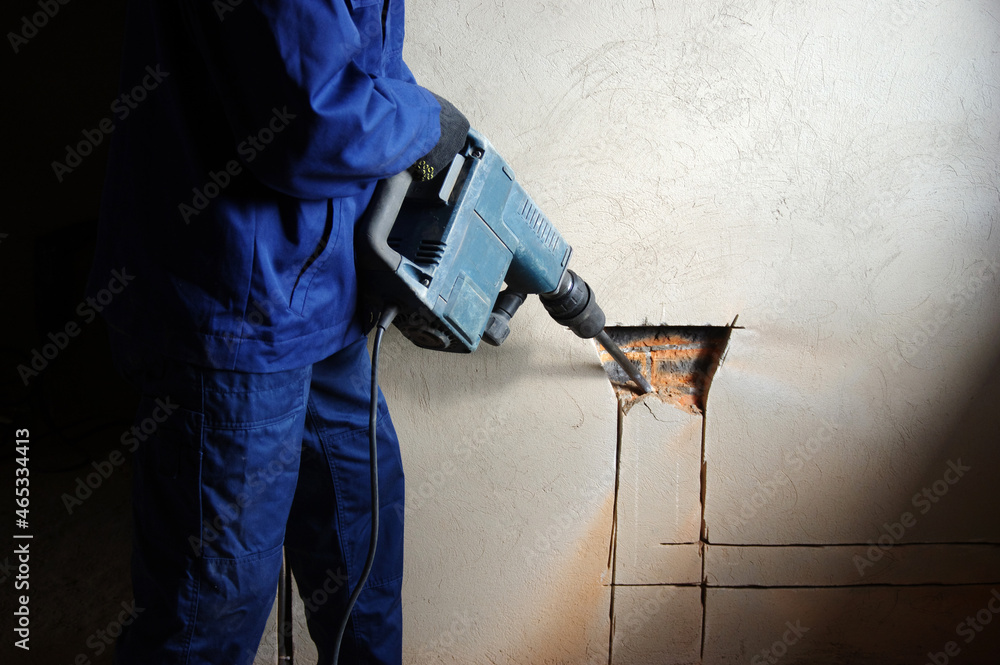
{"x":540,"y":224}
{"x":430,"y":252}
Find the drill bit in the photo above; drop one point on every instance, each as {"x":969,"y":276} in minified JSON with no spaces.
{"x":625,"y":363}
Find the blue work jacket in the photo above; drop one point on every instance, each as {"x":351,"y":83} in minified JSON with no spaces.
{"x":248,"y":138}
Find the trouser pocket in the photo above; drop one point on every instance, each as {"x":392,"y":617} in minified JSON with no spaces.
{"x":213,"y":487}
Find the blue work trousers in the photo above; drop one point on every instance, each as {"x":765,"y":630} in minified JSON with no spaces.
{"x":242,"y":465}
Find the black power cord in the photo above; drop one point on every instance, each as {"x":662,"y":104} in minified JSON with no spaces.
{"x":384,"y":320}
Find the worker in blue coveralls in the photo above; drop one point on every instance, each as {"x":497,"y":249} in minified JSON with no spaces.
{"x":234,"y":184}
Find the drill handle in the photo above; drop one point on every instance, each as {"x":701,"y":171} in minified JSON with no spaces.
{"x":377,"y":222}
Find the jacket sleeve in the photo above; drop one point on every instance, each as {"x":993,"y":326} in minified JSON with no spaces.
{"x":303,"y":68}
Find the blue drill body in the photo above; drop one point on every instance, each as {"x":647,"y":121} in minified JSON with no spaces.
{"x":452,"y":244}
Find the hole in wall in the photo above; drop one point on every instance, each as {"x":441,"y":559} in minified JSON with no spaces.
{"x":679,"y":361}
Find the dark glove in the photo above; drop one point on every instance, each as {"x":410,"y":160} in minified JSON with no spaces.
{"x":454,"y":131}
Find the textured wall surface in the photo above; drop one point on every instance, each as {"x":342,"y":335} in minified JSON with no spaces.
{"x":828,"y":171}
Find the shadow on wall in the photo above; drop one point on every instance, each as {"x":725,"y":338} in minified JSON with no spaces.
{"x":922,"y":588}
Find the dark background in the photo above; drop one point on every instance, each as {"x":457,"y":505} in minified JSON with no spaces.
{"x":58,"y":84}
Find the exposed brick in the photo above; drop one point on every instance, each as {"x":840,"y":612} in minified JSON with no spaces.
{"x":679,"y":361}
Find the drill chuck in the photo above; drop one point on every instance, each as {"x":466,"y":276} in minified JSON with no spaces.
{"x":573,"y":305}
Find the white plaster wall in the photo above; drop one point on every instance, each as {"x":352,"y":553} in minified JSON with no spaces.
{"x":825,"y":170}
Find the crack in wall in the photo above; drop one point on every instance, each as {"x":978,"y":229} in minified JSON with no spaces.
{"x":703,"y":536}
{"x":613,"y":549}
{"x":680,"y":362}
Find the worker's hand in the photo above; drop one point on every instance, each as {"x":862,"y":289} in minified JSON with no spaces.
{"x":454,"y":130}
